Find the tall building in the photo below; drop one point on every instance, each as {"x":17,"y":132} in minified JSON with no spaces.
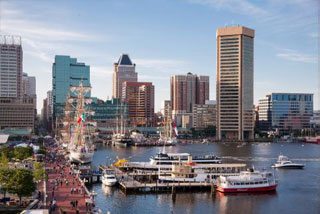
{"x":17,"y":109}
{"x":11,"y":59}
{"x":28,"y":85}
{"x":66,"y":72}
{"x":139,"y":97}
{"x":287,"y":112}
{"x":202,"y":89}
{"x":187,"y":90}
{"x":235,"y":110}
{"x":124,"y":71}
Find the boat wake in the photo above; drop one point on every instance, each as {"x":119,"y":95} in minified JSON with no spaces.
{"x":264,"y":159}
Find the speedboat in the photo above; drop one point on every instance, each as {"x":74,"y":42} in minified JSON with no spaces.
{"x":109,"y":179}
{"x":284,"y":162}
{"x":247,"y":181}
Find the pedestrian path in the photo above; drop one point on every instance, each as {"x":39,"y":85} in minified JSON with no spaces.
{"x":65,"y":194}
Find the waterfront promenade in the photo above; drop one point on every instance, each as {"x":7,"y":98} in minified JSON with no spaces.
{"x":65,"y":193}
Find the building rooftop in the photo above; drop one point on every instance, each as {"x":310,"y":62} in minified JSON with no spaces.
{"x":124,"y":60}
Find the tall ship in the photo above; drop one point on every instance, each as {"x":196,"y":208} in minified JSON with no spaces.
{"x":120,"y":137}
{"x":166,"y":134}
{"x":81,"y":146}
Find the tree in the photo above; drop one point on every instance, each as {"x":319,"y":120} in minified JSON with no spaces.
{"x":39,"y":171}
{"x":210,"y":131}
{"x":5,"y":176}
{"x":4,"y":162}
{"x":22,"y":153}
{"x":42,"y":150}
{"x":8,"y":151}
{"x":22,"y":183}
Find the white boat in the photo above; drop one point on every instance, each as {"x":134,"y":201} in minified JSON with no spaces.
{"x":284,"y":162}
{"x":247,"y":181}
{"x":190,"y":172}
{"x":163,"y":158}
{"x":108,"y":179}
{"x":138,"y":137}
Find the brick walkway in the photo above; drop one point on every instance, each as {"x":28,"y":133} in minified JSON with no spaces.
{"x":59,"y":172}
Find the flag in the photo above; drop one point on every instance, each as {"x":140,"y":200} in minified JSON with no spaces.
{"x":82,"y":118}
{"x":175,"y":129}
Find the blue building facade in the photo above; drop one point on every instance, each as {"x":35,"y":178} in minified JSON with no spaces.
{"x":288,"y":111}
{"x":66,"y":72}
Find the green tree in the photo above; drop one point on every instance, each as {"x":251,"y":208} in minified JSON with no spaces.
{"x":22,"y":153}
{"x":42,"y":150}
{"x":5,"y":176}
{"x":4,"y":161}
{"x":210,"y":131}
{"x":39,"y":171}
{"x":8,"y":151}
{"x":22,"y":183}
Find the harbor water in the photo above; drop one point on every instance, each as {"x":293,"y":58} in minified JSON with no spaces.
{"x":297,"y":192}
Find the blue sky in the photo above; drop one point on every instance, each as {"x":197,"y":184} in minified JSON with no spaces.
{"x":166,"y":37}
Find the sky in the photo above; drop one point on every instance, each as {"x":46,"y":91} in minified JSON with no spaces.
{"x":164,"y":38}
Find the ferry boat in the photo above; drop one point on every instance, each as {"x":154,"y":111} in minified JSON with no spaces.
{"x":190,"y":172}
{"x":163,"y":158}
{"x":284,"y":162}
{"x":247,"y":181}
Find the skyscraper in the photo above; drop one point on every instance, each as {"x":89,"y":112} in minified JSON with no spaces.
{"x":235,"y":83}
{"x":139,"y":97}
{"x":66,"y":72}
{"x":11,"y":67}
{"x":28,"y":85}
{"x":124,"y":71}
{"x":17,"y":109}
{"x":187,"y":90}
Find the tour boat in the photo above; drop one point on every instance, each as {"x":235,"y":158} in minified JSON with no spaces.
{"x":284,"y":162}
{"x":163,"y":158}
{"x":190,"y":172}
{"x":108,"y":179}
{"x":247,"y":181}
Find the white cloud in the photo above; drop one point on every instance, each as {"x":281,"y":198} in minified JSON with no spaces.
{"x":101,"y":71}
{"x":297,"y":57}
{"x":236,"y":6}
{"x":167,"y":66}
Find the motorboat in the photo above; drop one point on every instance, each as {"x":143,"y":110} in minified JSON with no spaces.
{"x":284,"y":162}
{"x":247,"y":181}
{"x":109,"y":179}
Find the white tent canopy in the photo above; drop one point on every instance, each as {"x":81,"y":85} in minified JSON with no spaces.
{"x":3,"y":138}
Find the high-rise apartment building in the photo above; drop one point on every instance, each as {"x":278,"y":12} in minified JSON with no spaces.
{"x":124,"y":71}
{"x":286,"y":112}
{"x":66,"y":72}
{"x":187,"y":90}
{"x":17,"y":108}
{"x":235,"y":111}
{"x":139,"y":96}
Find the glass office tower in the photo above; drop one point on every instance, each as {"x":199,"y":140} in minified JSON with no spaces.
{"x":66,"y":72}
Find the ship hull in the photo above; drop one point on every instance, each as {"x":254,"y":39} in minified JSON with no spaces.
{"x":81,"y":157}
{"x":248,"y":189}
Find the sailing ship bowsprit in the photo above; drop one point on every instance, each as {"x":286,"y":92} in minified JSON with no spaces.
{"x":81,"y":146}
